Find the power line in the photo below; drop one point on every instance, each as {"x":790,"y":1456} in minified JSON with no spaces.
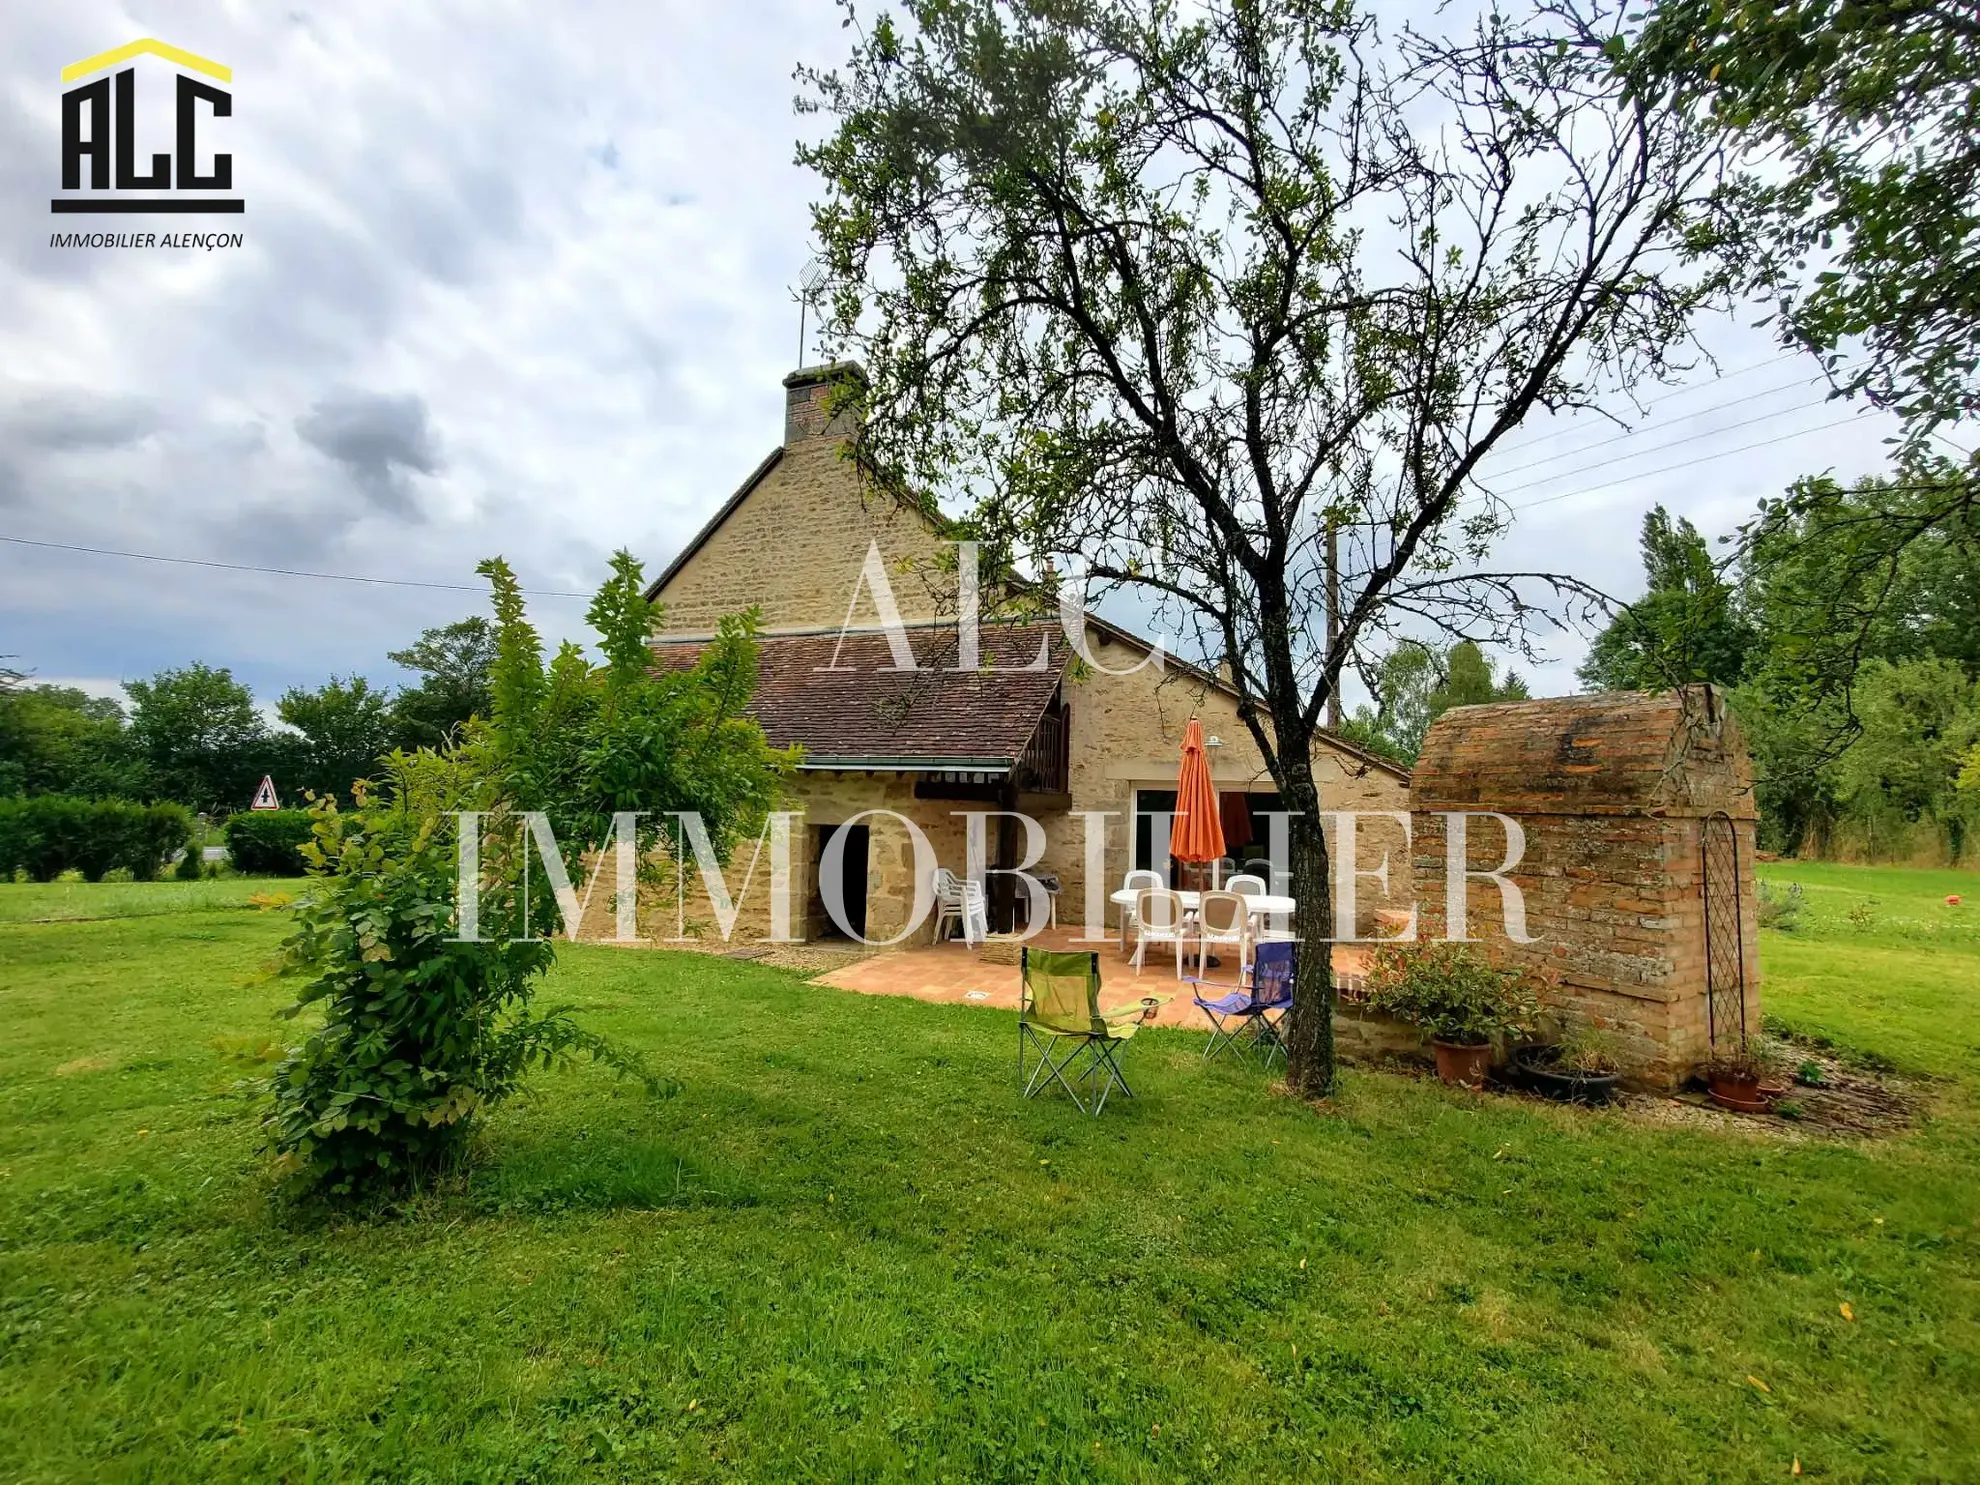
{"x":1678,"y":392}
{"x":1684,"y":464}
{"x":328,"y":577}
{"x":1665,"y":447}
{"x":1628,"y":433}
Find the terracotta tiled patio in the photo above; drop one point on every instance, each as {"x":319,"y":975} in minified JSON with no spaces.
{"x":955,"y":974}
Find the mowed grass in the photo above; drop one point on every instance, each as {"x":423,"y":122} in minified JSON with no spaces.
{"x":848,"y":1250}
{"x":73,"y":900}
{"x":1880,"y":962}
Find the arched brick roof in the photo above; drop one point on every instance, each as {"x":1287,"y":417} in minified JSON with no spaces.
{"x":1613,"y":753}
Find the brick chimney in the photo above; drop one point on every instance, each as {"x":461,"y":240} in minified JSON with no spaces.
{"x":808,"y":394}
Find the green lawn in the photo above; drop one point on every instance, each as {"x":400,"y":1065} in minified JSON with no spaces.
{"x":1899,"y":979}
{"x":76,"y":900}
{"x":847,"y":1250}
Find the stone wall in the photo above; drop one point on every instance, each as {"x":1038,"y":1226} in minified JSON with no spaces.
{"x":795,"y":547}
{"x":825,"y":799}
{"x":1611,"y":878}
{"x":1107,"y":767}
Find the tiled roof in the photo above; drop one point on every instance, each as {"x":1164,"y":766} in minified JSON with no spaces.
{"x":858,"y":707}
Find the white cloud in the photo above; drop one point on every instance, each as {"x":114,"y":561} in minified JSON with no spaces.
{"x":516,"y":289}
{"x":513,"y":285}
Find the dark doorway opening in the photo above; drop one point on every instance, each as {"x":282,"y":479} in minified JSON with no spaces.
{"x":1148,"y":805}
{"x":838,"y":881}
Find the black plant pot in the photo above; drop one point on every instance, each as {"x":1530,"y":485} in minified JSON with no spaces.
{"x":1535,"y":1067}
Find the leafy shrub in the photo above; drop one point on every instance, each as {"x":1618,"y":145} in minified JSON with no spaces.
{"x":1448,"y":992}
{"x":1780,"y":910}
{"x":191,"y":866}
{"x":420,"y":1029}
{"x":53,"y":833}
{"x":269,"y":843}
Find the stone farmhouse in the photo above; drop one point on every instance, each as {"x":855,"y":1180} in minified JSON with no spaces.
{"x":1029,"y":728}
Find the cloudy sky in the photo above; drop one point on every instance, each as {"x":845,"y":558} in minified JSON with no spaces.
{"x":516,"y":280}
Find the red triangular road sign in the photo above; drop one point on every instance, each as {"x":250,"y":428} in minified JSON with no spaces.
{"x":264,"y":797}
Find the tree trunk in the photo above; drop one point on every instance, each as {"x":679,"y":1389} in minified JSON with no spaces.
{"x":1310,"y":1035}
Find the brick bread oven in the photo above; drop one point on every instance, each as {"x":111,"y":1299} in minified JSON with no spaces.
{"x":1616,"y":794}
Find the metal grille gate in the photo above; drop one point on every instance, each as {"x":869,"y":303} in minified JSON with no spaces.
{"x":1725,"y":935}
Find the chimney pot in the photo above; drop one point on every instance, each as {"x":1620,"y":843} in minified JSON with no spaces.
{"x":808,"y":394}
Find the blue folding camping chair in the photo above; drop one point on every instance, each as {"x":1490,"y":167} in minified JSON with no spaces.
{"x":1251,"y":1018}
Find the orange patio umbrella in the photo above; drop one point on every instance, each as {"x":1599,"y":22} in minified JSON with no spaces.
{"x":1197,"y":833}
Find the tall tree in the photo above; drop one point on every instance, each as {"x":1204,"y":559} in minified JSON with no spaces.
{"x":1173,"y":293}
{"x":1401,"y":683}
{"x":1829,"y":588}
{"x":1415,"y":684}
{"x":1469,"y":680}
{"x":454,"y":662}
{"x":1860,"y":123}
{"x":1862,"y":118}
{"x":60,"y":740}
{"x":1829,"y":593}
{"x":1688,"y":625}
{"x":343,"y":728}
{"x":582,"y":742}
{"x":1920,"y":720}
{"x":200,"y":735}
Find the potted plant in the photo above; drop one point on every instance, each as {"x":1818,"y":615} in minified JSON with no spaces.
{"x":1583,"y":1067}
{"x":1455,"y":998}
{"x":1733,"y":1079}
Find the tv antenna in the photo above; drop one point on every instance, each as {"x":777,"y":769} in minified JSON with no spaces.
{"x":810,"y":280}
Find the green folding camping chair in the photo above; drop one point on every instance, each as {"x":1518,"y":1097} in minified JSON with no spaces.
{"x":1060,"y":1006}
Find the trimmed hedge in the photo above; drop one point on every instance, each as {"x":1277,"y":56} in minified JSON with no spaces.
{"x":268,"y":843}
{"x":53,"y":833}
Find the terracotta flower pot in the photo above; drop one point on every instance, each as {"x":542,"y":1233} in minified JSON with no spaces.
{"x":1742,"y":1092}
{"x":1463,"y":1065}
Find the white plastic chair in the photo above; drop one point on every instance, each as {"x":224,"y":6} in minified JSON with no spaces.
{"x":960,"y":902}
{"x":1263,"y":930}
{"x":976,"y":913}
{"x":1159,"y":919}
{"x":1223,"y":918}
{"x":948,"y":901}
{"x":1137,"y":881}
